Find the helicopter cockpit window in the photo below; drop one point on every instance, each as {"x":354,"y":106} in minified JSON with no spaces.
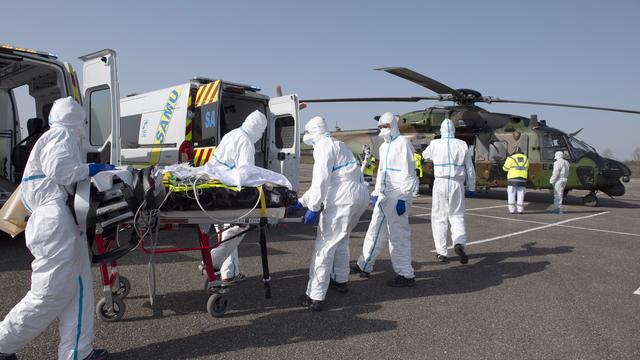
{"x":498,"y":150}
{"x":552,"y":142}
{"x":580,"y":148}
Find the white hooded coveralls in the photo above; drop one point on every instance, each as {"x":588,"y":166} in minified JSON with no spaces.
{"x":452,"y":165}
{"x":235,"y":149}
{"x":395,"y":181}
{"x":338,"y":185}
{"x":61,"y":283}
{"x":559,"y":178}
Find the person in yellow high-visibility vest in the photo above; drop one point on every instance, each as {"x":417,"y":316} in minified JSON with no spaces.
{"x":368,"y":170}
{"x":417,"y":157}
{"x":517,"y":168}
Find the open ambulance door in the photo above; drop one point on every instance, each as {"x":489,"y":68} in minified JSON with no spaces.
{"x":284,"y":137}
{"x":101,"y":101}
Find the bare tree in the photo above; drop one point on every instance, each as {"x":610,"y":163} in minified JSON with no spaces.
{"x":636,"y":154}
{"x":607,"y":153}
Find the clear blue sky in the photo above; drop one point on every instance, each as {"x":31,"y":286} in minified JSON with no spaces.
{"x":584,"y":52}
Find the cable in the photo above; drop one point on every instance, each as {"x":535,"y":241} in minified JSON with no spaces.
{"x":222,"y":220}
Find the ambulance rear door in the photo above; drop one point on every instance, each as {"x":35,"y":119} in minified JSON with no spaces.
{"x":284,"y":137}
{"x":101,"y":103}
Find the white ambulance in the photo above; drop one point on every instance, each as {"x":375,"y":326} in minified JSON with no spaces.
{"x":30,"y":81}
{"x":185,"y":122}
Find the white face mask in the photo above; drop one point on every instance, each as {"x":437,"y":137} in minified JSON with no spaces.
{"x":385,"y":133}
{"x":308,"y":139}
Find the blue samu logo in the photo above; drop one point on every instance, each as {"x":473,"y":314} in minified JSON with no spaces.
{"x":210,"y":119}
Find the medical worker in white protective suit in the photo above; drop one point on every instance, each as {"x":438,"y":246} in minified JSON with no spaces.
{"x":452,"y":166}
{"x":391,"y":199}
{"x":236,"y":148}
{"x":61,"y":283}
{"x":338,"y":189}
{"x":559,"y":180}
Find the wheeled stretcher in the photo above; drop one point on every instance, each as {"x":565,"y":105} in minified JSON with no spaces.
{"x":142,"y":204}
{"x":116,"y":287}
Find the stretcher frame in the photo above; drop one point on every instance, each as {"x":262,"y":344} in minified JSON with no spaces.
{"x":116,"y":287}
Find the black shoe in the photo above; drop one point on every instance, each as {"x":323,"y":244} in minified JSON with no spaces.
{"x":98,"y":354}
{"x":4,"y":356}
{"x":401,"y":281}
{"x":442,"y":258}
{"x":355,"y":269}
{"x":460,"y":251}
{"x":313,"y":305}
{"x":342,"y":288}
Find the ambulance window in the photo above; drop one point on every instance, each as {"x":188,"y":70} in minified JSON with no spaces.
{"x":99,"y":116}
{"x":285,"y":132}
{"x":129,"y":131}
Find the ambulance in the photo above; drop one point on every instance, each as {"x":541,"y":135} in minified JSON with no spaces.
{"x":185,"y":123}
{"x":163,"y":127}
{"x":30,"y":81}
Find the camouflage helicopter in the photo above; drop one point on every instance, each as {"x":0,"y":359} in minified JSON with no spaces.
{"x":491,"y":136}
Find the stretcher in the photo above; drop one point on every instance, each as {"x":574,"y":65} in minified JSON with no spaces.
{"x":116,"y":287}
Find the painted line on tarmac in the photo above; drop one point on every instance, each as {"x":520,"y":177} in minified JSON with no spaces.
{"x":510,"y":219}
{"x":532,"y":229}
{"x":564,"y":226}
{"x":637,"y":292}
{"x":480,"y":208}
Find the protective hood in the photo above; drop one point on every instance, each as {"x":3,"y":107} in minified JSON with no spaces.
{"x":315,"y":129}
{"x":447,"y":129}
{"x":67,"y":113}
{"x":392,"y":131}
{"x":254,"y":125}
{"x":559,"y":155}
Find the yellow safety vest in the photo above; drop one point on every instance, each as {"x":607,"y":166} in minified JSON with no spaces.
{"x":368,"y":170}
{"x":516,"y":166}
{"x":418,"y":159}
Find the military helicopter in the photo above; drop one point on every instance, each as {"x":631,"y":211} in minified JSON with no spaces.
{"x":491,"y":137}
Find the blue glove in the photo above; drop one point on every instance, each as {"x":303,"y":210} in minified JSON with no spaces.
{"x":374,"y":200}
{"x":310,"y":217}
{"x":471,"y":193}
{"x":293,"y":209}
{"x":96,"y":168}
{"x":401,"y":207}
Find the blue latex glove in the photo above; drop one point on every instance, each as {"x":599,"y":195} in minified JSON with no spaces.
{"x":471,"y":193}
{"x":310,"y":217}
{"x":374,"y":200}
{"x":293,"y":209}
{"x":401,"y":207}
{"x":96,"y":168}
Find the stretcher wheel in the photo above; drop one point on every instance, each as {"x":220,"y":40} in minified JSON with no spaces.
{"x":110,"y":315}
{"x":217,"y":304}
{"x":123,"y":287}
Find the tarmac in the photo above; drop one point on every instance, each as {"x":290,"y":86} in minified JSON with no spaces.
{"x":537,"y":286}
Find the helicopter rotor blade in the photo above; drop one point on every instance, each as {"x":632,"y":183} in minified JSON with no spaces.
{"x":489,"y":100}
{"x":378,"y":99}
{"x":422,"y":80}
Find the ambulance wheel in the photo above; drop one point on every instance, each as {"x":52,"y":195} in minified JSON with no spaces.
{"x":590,"y":200}
{"x":123,"y":289}
{"x":110,"y":315}
{"x":217,"y":305}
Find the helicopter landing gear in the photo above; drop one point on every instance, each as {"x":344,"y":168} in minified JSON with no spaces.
{"x":590,"y":199}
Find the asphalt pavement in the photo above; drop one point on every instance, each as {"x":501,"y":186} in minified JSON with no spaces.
{"x":537,"y":286}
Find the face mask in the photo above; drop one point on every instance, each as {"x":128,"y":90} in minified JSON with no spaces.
{"x":308,"y":139}
{"x":385,"y":133}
